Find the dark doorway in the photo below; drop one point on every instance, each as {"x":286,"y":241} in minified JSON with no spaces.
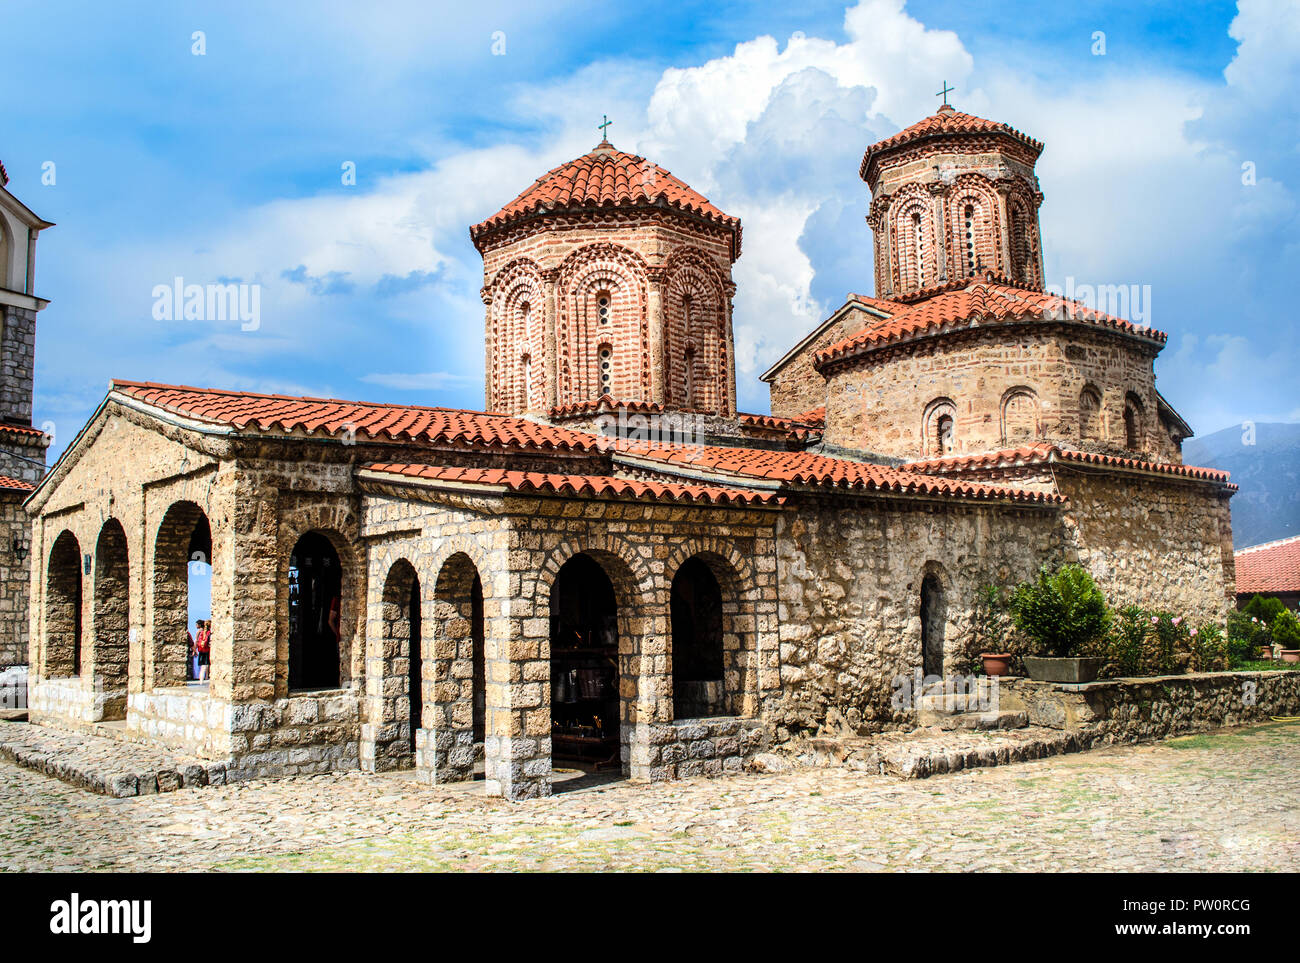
{"x":584,"y":664}
{"x":315,"y":600}
{"x":478,"y":670}
{"x":696,"y":609}
{"x":415,"y":684}
{"x":934,"y":614}
{"x":63,"y":609}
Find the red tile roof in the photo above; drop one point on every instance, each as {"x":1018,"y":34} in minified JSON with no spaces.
{"x":795,"y":428}
{"x":978,"y":302}
{"x":15,"y":484}
{"x":880,"y":304}
{"x":248,"y":411}
{"x":605,"y":403}
{"x":580,"y":485}
{"x":813,"y":416}
{"x":809,"y":468}
{"x":945,"y":122}
{"x":1044,"y":452}
{"x":21,"y":430}
{"x":1269,"y":568}
{"x":606,"y":177}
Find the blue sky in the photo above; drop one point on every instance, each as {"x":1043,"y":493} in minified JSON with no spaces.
{"x":228,"y":166}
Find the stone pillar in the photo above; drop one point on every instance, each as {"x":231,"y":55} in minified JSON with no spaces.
{"x":517,"y":664}
{"x":729,"y":346}
{"x":646,"y":685}
{"x":486,"y":297}
{"x":1003,"y":236}
{"x":939,"y":218}
{"x":245,"y":619}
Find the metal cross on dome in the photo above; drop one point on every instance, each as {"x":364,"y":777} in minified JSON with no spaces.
{"x":945,"y":92}
{"x":604,"y":134}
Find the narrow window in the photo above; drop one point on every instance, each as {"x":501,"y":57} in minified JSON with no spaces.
{"x":602,"y":307}
{"x":690,"y":378}
{"x":606,"y":355}
{"x":970,"y":239}
{"x":944,"y":434}
{"x":918,"y":249}
{"x":528,"y":382}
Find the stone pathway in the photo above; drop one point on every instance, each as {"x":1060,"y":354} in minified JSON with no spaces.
{"x":104,"y":765}
{"x":1218,"y":802}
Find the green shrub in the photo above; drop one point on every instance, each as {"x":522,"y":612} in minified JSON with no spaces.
{"x":991,"y":627}
{"x":1266,"y":608}
{"x":1171,"y":635}
{"x":1209,"y":648}
{"x":1285,"y":629}
{"x":1128,"y":640}
{"x":1060,"y":611}
{"x":1246,"y":634}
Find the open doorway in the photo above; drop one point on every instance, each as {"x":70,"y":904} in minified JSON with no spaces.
{"x":315,"y":597}
{"x":584,"y":665}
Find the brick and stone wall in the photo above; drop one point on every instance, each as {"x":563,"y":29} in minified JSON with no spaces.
{"x":667,"y":325}
{"x":797,"y":386}
{"x":17,"y":363}
{"x":14,"y":615}
{"x":1005,"y":385}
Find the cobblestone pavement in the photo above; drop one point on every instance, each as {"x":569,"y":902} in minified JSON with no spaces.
{"x":1226,"y":801}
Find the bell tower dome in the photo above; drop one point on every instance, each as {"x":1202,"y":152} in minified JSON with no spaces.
{"x":954,"y":196}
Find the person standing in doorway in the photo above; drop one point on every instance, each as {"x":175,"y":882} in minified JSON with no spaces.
{"x":194,"y":648}
{"x":203,"y":644}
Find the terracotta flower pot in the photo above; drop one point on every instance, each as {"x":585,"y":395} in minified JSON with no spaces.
{"x":996,"y":663}
{"x":1291,"y":655}
{"x":1266,"y":652}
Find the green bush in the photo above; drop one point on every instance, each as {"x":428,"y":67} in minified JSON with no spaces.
{"x":1127,"y":649}
{"x":1266,"y":608}
{"x":1172,"y":639}
{"x":1209,"y":648}
{"x":1060,"y":611}
{"x":1285,"y":629}
{"x":1246,"y":634}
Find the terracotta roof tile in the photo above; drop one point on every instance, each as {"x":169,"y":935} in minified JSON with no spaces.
{"x":605,"y":403}
{"x":606,"y":177}
{"x":1269,"y":568}
{"x":248,"y":411}
{"x":1045,"y":451}
{"x":978,"y":302}
{"x":945,"y":122}
{"x":15,"y":484}
{"x":21,"y":430}
{"x":795,"y":428}
{"x":580,"y":485}
{"x":809,"y":468}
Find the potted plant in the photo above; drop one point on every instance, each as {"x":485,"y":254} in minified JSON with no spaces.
{"x":990,"y":629}
{"x":1061,"y":612}
{"x":1286,"y":633}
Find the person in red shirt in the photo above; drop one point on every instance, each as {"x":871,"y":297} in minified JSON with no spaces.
{"x":203,"y":646}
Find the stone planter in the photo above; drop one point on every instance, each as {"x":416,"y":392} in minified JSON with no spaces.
{"x":1266,"y":652}
{"x":1043,"y":668}
{"x":1291,"y":655}
{"x":996,"y":663}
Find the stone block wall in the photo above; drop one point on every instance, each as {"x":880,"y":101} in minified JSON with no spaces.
{"x":1136,"y":710}
{"x":302,"y":734}
{"x":17,"y":363}
{"x":183,"y":718}
{"x":14,"y":615}
{"x":850,"y":589}
{"x":686,"y":748}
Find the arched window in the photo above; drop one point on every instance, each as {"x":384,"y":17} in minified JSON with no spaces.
{"x":939,"y":427}
{"x":1019,"y":416}
{"x":918,"y":248}
{"x":1089,"y":414}
{"x":968,"y":216}
{"x":934,"y":618}
{"x":697,"y":629}
{"x":1133,"y":427}
{"x":63,"y":608}
{"x":605,"y":361}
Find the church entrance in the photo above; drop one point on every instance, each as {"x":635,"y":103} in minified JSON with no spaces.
{"x":584,"y":665}
{"x":934,"y":614}
{"x":315,"y":597}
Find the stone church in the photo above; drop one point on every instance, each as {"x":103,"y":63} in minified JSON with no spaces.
{"x":612,"y":566}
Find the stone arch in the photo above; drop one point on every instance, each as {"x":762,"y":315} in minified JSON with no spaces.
{"x":517,"y":321}
{"x":1019,"y":413}
{"x":713,"y":636}
{"x":183,"y":537}
{"x":1090,"y":414}
{"x":973,"y":227}
{"x":914,"y":240}
{"x":641,"y":626}
{"x":63,"y":601}
{"x":309,"y":659}
{"x":933,"y":613}
{"x":1023,"y":241}
{"x":696,"y":351}
{"x":1134,"y":422}
{"x":585,"y":275}
{"x":454,"y":673}
{"x":939,"y":427}
{"x":111,"y":620}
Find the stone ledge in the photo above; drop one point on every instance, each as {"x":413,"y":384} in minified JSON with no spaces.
{"x":103,"y":765}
